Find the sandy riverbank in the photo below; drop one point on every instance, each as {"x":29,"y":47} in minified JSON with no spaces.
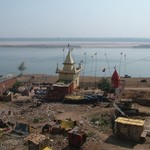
{"x":133,"y":82}
{"x":99,"y":137}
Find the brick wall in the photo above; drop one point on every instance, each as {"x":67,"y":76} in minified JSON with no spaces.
{"x":7,"y":84}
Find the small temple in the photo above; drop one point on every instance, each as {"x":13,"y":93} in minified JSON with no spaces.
{"x":69,"y":73}
{"x":115,"y":79}
{"x":68,"y":78}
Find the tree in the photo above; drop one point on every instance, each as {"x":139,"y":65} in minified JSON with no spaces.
{"x":105,"y":85}
{"x":22,"y":67}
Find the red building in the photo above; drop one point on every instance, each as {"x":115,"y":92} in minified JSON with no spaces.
{"x":58,"y":91}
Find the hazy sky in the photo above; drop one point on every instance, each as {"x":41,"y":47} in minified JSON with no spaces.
{"x":75,"y":18}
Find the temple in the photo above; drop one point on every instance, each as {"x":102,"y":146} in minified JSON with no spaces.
{"x":69,"y":73}
{"x":68,"y":78}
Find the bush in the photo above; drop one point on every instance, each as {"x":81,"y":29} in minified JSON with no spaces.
{"x":17,"y":84}
{"x":102,"y":121}
{"x":36,"y":120}
{"x":90,"y":134}
{"x":105,"y":85}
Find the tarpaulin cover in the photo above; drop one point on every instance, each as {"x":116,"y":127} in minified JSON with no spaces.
{"x":67,"y":124}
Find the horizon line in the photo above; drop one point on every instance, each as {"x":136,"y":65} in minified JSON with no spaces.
{"x":76,"y":37}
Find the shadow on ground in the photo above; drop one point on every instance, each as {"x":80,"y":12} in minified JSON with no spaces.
{"x":122,"y":142}
{"x":72,"y":148}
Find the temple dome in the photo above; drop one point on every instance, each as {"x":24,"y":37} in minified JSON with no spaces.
{"x":69,"y":59}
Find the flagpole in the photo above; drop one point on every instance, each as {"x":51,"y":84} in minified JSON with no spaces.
{"x":63,"y":55}
{"x":95,"y":69}
{"x":84,"y":65}
{"x":104,"y":71}
{"x":91,"y":69}
{"x":125,"y":65}
{"x":91,"y":66}
{"x":108,"y":64}
{"x":120,"y":62}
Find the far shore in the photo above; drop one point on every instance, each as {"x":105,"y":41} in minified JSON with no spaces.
{"x":74,"y":44}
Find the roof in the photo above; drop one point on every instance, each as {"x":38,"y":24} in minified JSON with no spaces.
{"x":74,"y":97}
{"x":128,"y":121}
{"x":22,"y":127}
{"x":69,"y":59}
{"x":62,"y":83}
{"x":115,"y":76}
{"x":57,"y":69}
{"x":36,"y":138}
{"x":3,"y":79}
{"x":115,"y":79}
{"x":67,"y":124}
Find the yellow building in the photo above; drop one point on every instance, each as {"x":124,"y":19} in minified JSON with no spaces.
{"x":69,"y":73}
{"x":129,"y":128}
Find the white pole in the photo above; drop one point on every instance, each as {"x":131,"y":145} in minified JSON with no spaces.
{"x":91,"y":66}
{"x":120,"y":62}
{"x":108,"y":63}
{"x":95,"y":69}
{"x":84,"y":65}
{"x":125,"y":65}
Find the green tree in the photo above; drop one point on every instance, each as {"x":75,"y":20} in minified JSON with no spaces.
{"x":22,"y":67}
{"x":105,"y":85}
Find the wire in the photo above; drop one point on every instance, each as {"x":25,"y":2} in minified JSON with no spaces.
{"x":122,"y":64}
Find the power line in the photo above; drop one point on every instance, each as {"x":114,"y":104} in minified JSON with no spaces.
{"x":120,"y":65}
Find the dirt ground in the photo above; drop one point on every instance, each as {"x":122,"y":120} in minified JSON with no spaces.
{"x":99,"y":137}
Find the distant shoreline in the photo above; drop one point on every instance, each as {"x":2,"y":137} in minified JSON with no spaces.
{"x":74,"y":44}
{"x":77,"y":42}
